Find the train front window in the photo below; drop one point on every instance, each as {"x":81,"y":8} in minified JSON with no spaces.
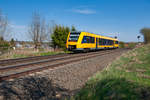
{"x":74,"y":36}
{"x":116,"y":42}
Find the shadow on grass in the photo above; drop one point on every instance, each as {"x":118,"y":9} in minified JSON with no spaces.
{"x":31,"y":88}
{"x":114,"y":89}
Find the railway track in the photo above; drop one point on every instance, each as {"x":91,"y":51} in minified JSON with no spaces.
{"x":31,"y":60}
{"x":49,"y":62}
{"x":28,"y":59}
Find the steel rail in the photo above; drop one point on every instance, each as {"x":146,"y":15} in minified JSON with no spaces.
{"x":4,"y":69}
{"x":18,"y":60}
{"x":2,"y":78}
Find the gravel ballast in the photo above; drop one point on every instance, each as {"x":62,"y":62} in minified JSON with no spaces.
{"x":55,"y":84}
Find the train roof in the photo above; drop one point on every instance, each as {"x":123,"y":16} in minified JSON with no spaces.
{"x":95,"y":34}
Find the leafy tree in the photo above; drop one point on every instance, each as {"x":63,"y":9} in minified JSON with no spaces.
{"x":146,"y":33}
{"x":1,"y":39}
{"x":59,"y":36}
{"x":4,"y":45}
{"x":12,"y":42}
{"x":73,"y":28}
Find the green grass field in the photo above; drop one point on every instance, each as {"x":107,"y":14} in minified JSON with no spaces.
{"x":127,"y":78}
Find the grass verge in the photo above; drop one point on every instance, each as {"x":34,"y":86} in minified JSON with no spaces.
{"x":127,"y":78}
{"x":36,"y":54}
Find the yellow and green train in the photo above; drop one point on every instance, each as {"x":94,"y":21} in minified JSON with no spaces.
{"x":85,"y":41}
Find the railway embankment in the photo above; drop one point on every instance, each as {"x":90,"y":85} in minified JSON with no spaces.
{"x":127,"y":78}
{"x":55,"y":84}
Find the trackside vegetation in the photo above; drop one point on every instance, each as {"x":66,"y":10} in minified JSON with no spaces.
{"x":146,"y":33}
{"x":36,"y":54}
{"x":127,"y":78}
{"x":59,"y":36}
{"x":127,"y":45}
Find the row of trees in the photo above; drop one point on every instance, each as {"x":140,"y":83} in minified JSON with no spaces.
{"x":39,"y":31}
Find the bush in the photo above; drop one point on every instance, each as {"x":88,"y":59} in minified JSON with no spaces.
{"x":59,"y":36}
{"x":4,"y":46}
{"x":121,"y":44}
{"x":146,"y":33}
{"x":132,"y":45}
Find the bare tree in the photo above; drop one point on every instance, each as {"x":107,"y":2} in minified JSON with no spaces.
{"x":37,"y":30}
{"x":50,"y":28}
{"x":4,"y":27}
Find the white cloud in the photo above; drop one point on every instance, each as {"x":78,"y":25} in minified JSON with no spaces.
{"x":20,"y":27}
{"x":84,"y":11}
{"x":113,"y":34}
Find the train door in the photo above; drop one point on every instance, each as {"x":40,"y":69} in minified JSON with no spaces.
{"x":96,"y":43}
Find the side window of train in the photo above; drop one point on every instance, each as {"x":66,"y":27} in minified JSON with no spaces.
{"x":84,"y":40}
{"x":88,"y":39}
{"x":100,"y":41}
{"x":112,"y":42}
{"x":103,"y":41}
{"x":92,"y":40}
{"x":109,"y":42}
{"x":116,"y":42}
{"x":106,"y":42}
{"x":97,"y":40}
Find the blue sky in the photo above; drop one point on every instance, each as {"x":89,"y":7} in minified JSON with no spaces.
{"x":122,"y":18}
